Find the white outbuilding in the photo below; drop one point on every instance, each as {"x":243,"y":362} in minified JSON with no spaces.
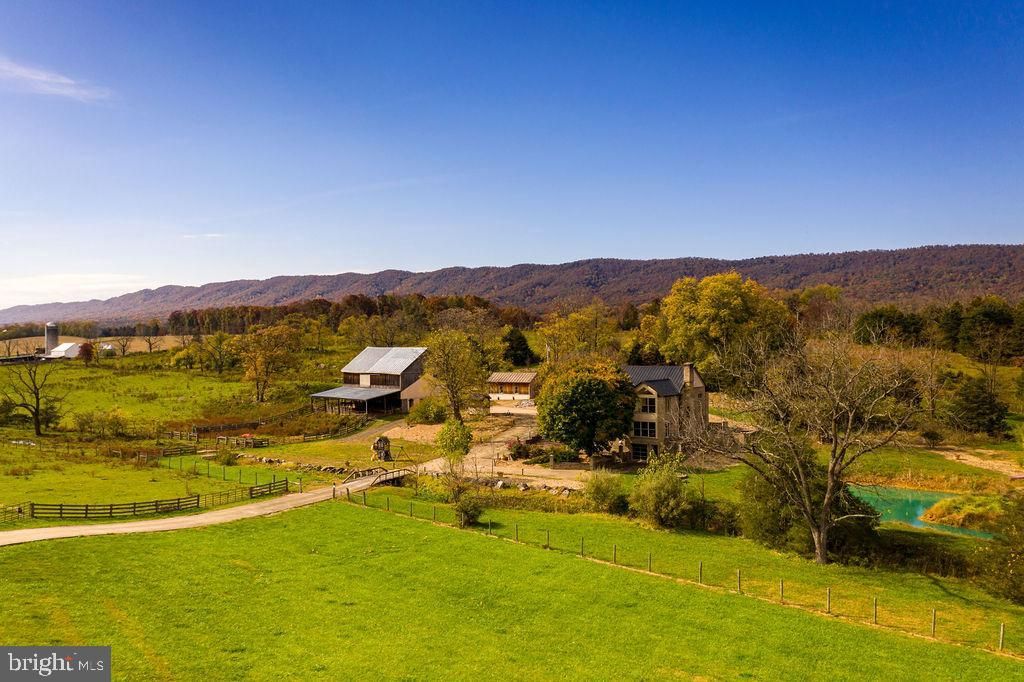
{"x":65,"y":350}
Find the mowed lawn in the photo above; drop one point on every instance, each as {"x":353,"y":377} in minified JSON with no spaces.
{"x":339,"y":592}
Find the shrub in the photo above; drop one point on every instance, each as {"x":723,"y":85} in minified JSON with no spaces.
{"x":932,"y":437}
{"x":427,"y":411}
{"x":226,"y":458}
{"x":606,"y":493}
{"x":468,"y":509}
{"x":539,"y":455}
{"x":659,"y":497}
{"x":517,"y":449}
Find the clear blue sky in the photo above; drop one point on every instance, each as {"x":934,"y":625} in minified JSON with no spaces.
{"x":151,"y":143}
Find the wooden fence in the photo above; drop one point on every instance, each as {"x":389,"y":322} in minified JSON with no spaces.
{"x":43,"y":510}
{"x":283,"y":416}
{"x":13,"y":512}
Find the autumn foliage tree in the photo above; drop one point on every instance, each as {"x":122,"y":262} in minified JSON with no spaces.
{"x":704,"y":319}
{"x":265,"y":353}
{"x":454,"y":364}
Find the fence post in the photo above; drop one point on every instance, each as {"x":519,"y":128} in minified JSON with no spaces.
{"x":782,"y":591}
{"x":517,"y":532}
{"x":547,"y":542}
{"x":257,"y":475}
{"x":410,"y":509}
{"x":387,"y":499}
{"x":433,"y":513}
{"x":828,"y":600}
{"x":1002,"y":633}
{"x":300,"y":484}
{"x":700,"y":572}
{"x":239,"y":475}
{"x":739,"y":582}
{"x":581,"y":545}
{"x":364,"y":498}
{"x":933,"y":622}
{"x":207,"y":468}
{"x":615,"y":554}
{"x":334,"y":490}
{"x":224,"y":473}
{"x":874,"y":611}
{"x":650,"y":562}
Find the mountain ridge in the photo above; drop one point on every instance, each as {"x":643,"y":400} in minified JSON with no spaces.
{"x":914,"y":275}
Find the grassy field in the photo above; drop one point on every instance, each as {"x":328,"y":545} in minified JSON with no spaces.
{"x":920,"y":468}
{"x":352,"y":454}
{"x":29,"y":475}
{"x":966,"y":614}
{"x":337,"y":591}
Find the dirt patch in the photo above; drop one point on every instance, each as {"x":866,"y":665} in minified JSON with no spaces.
{"x":420,"y":433}
{"x":964,"y":457}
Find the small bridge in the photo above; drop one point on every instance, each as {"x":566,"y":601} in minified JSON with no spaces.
{"x":379,"y":475}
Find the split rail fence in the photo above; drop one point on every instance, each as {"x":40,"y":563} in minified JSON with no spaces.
{"x":45,"y":510}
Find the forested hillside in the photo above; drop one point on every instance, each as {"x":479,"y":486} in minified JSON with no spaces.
{"x":907,"y":276}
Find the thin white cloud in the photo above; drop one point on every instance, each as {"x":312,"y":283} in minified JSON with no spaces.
{"x":205,"y":235}
{"x":67,"y":286}
{"x":43,"y":82}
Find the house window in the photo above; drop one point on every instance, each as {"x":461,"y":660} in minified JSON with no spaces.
{"x":639,"y":451}
{"x":645,"y":429}
{"x":649,"y":405}
{"x":351,"y":378}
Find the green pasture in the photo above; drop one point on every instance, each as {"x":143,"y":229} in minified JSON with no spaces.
{"x":965,"y":613}
{"x":336,"y":591}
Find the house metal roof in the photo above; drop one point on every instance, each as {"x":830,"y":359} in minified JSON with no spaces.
{"x":664,"y":379}
{"x":383,"y":360}
{"x":512,"y":377}
{"x":355,"y":393}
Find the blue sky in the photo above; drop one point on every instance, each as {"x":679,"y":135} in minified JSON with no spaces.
{"x":153,"y":143}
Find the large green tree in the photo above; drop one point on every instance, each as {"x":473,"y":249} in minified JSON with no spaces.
{"x":587,"y":406}
{"x":976,"y":407}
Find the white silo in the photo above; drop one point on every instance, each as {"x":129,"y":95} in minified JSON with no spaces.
{"x":52,"y":337}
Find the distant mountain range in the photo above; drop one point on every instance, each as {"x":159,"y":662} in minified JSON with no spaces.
{"x":909,"y":276}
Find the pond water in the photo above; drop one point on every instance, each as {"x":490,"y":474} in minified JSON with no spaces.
{"x":903,"y":505}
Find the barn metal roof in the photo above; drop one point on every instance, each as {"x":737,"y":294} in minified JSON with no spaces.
{"x":664,"y":379}
{"x":355,"y":393}
{"x":383,"y":360}
{"x":512,"y":377}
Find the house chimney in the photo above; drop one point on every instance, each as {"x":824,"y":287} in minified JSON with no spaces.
{"x":688,"y":373}
{"x":52,"y":337}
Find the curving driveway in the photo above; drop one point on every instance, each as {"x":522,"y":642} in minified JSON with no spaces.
{"x":210,"y":518}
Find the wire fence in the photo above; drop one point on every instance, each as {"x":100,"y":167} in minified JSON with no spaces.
{"x":846,"y":603}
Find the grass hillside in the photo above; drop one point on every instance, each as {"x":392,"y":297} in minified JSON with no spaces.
{"x":338,"y":591}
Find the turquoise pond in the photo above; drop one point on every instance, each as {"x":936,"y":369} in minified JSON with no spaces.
{"x":902,"y":505}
